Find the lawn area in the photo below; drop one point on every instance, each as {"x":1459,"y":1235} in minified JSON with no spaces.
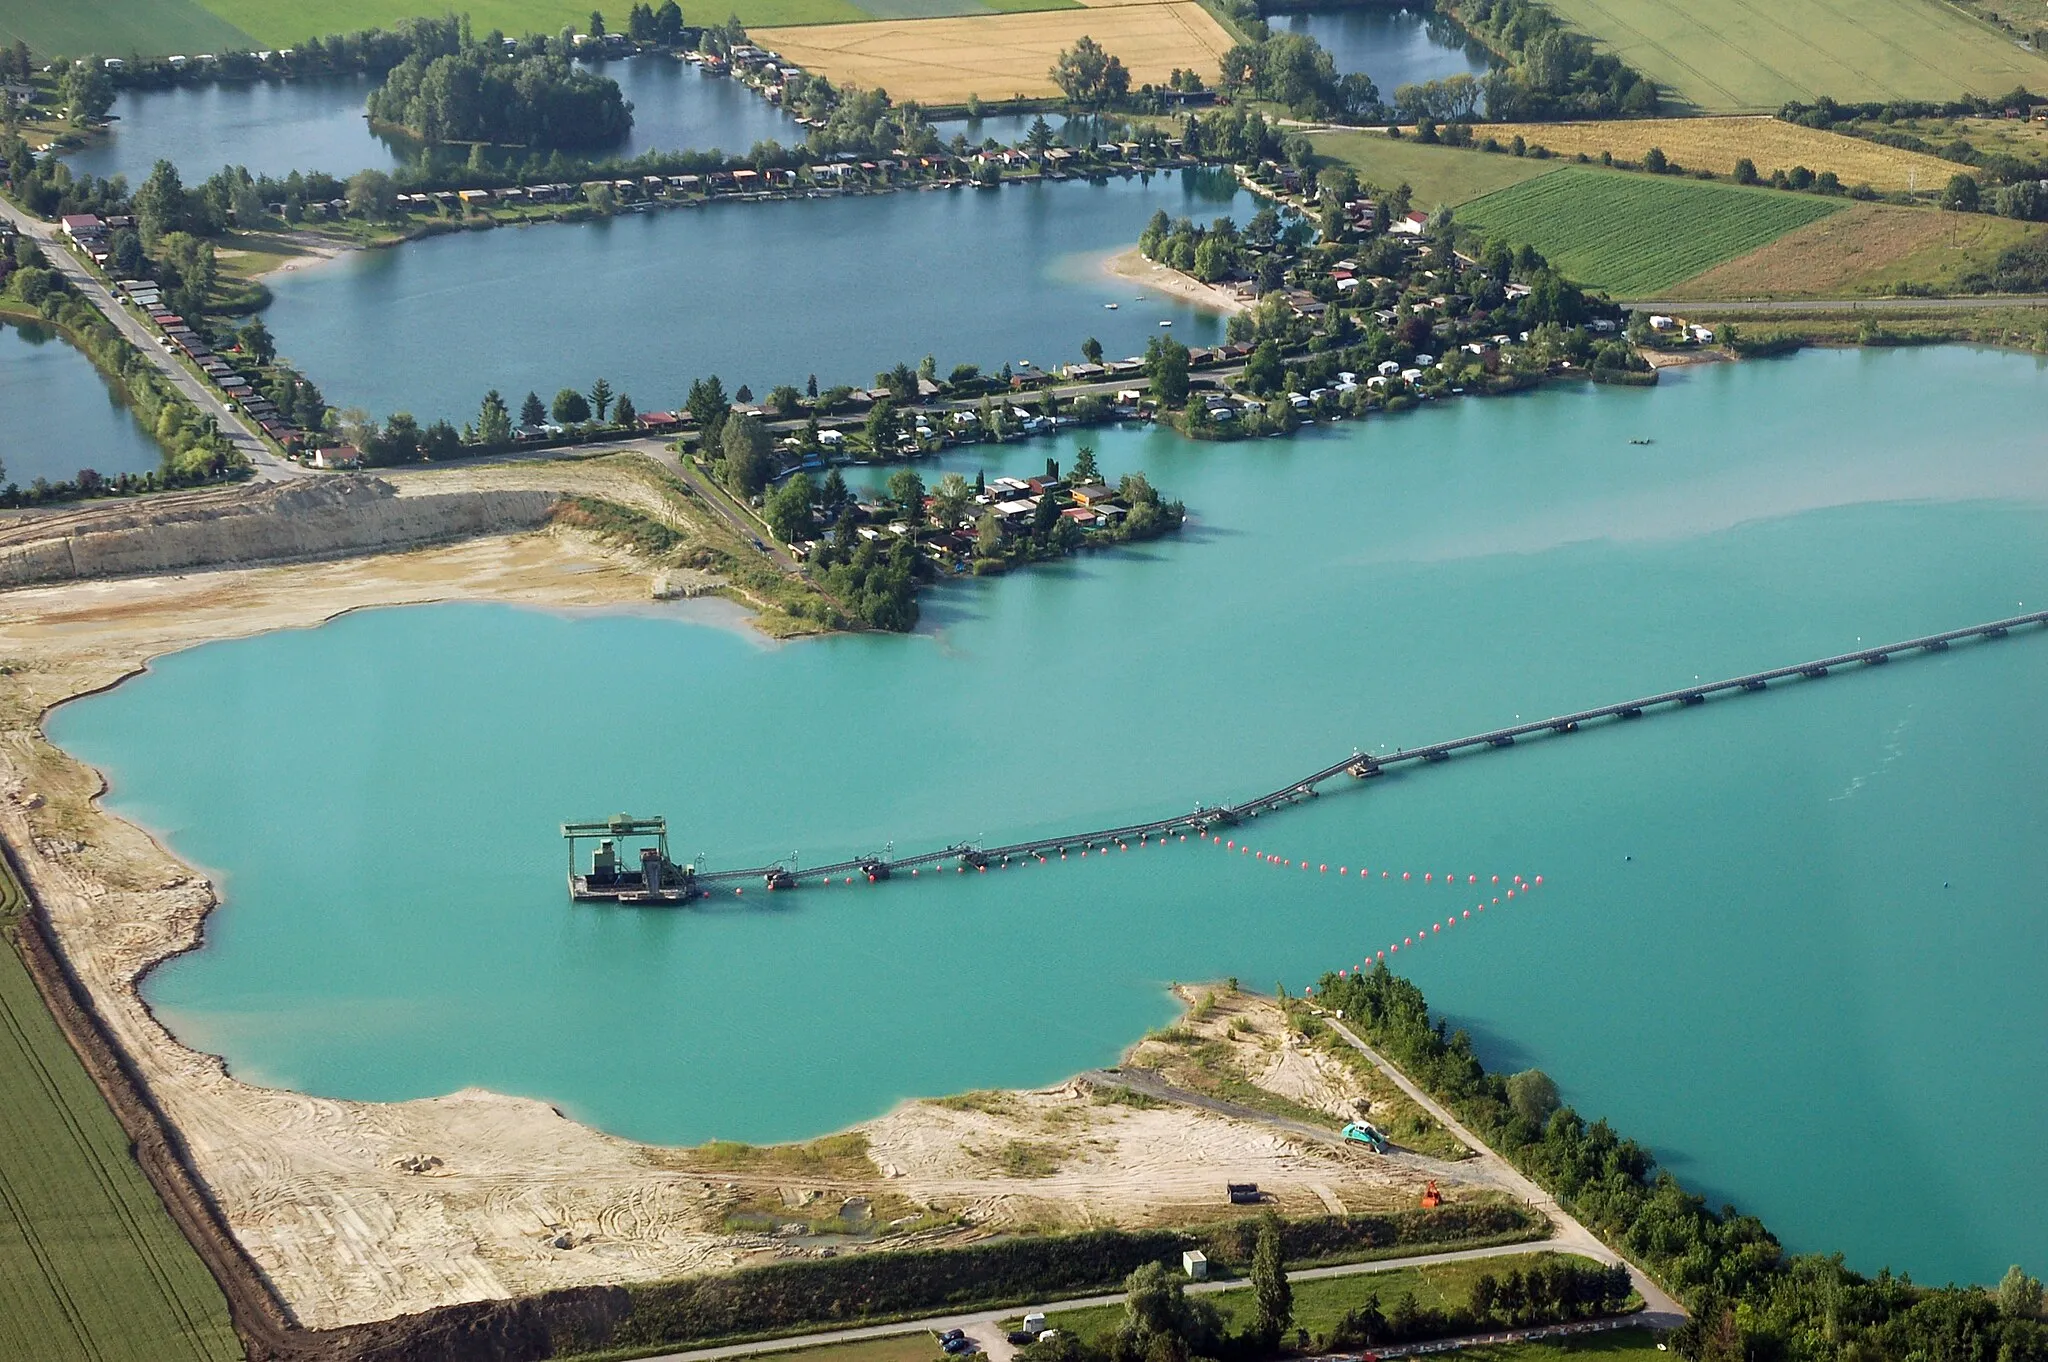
{"x":1866,"y":250}
{"x":1440,"y":176}
{"x":1319,"y":1304}
{"x":1717,"y":143}
{"x":1633,"y":235}
{"x":91,"y":1267}
{"x":1734,"y":56}
{"x":115,"y":28}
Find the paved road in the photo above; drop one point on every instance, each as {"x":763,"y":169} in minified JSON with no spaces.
{"x":984,"y":1326}
{"x":267,"y":465}
{"x":1663,"y":1312}
{"x":1686,"y":309}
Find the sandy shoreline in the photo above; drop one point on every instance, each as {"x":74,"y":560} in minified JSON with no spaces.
{"x":1131,"y":266}
{"x":357,"y":1211}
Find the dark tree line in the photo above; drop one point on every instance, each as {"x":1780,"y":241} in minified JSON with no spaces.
{"x":481,"y":95}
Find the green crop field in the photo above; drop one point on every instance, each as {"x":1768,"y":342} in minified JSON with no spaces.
{"x":1634,"y":234}
{"x":116,"y":28}
{"x":1438,"y":175}
{"x":1737,"y":56}
{"x":120,"y":28}
{"x":91,"y":1267}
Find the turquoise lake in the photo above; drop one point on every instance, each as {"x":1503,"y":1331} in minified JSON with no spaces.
{"x":1797,"y":942}
{"x":759,"y":294}
{"x":58,"y":416}
{"x":1395,"y":47}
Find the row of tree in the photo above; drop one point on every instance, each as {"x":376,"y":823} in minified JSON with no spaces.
{"x":1748,"y":1300}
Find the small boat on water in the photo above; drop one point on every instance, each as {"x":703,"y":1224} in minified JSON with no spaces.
{"x":1166,"y":323}
{"x":1641,"y":442}
{"x":1111,"y":306}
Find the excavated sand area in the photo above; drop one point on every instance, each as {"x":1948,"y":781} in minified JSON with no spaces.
{"x":359,"y":1211}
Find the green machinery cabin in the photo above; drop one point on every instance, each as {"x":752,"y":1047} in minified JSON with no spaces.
{"x":630,"y":863}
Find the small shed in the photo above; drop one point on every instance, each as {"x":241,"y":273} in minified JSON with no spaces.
{"x":1196,"y":1264}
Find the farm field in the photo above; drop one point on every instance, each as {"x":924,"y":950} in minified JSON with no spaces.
{"x":91,"y":1267}
{"x":1994,"y":136}
{"x":1632,"y":235}
{"x":1438,"y":175}
{"x":997,"y":56}
{"x":1736,"y":56}
{"x":1865,"y":250}
{"x":117,"y":27}
{"x":1716,"y":144}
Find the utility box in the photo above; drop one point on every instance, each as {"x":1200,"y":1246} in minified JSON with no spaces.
{"x":1196,"y":1264}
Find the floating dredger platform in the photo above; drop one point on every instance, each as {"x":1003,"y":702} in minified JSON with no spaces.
{"x":630,"y":863}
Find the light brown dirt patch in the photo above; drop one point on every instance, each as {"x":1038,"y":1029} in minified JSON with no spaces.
{"x":1866,"y":250}
{"x":998,"y":56}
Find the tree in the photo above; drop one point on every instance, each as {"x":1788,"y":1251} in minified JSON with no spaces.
{"x":668,"y":23}
{"x":571,"y":408}
{"x":493,"y":422}
{"x":1091,"y":350}
{"x":1961,"y":194}
{"x":370,"y":195}
{"x":1039,"y":138}
{"x":988,"y":534}
{"x":256,"y":340}
{"x":600,"y":398}
{"x":532,"y":412}
{"x":440,"y":441}
{"x":1262,"y":372}
{"x":2019,"y":1296}
{"x":950,"y":500}
{"x":1089,"y":76}
{"x":1654,"y":162}
{"x":624,"y":413}
{"x":745,"y":444}
{"x":86,"y":93}
{"x":1166,"y":365}
{"x":1533,"y":1096}
{"x":1269,"y":1282}
{"x":743,"y":395}
{"x":785,"y":399}
{"x":708,"y":403}
{"x":1084,"y":470}
{"x":1161,"y":1322}
{"x":1745,"y":171}
{"x":906,"y":489}
{"x":834,"y":494}
{"x":788,"y":509}
{"x":596,"y":24}
{"x":161,"y":205}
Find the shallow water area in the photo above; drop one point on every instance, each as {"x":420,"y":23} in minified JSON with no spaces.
{"x":1792,"y":941}
{"x":57,"y":415}
{"x":759,"y":293}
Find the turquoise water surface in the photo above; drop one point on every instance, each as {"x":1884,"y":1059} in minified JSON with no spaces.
{"x":1795,"y":942}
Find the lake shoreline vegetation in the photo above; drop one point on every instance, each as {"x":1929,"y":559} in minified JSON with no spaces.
{"x":1747,"y":1299}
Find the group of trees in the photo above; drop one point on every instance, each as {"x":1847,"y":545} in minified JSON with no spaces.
{"x":660,"y":26}
{"x":1209,"y":253}
{"x":479,"y":94}
{"x":1555,"y":73}
{"x":1747,"y":1298}
{"x":1294,"y":71}
{"x":1089,"y":77}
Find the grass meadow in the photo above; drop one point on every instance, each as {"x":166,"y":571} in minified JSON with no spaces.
{"x":91,"y":1267}
{"x":115,"y":28}
{"x":1440,"y":176}
{"x":1732,"y":56}
{"x":1634,"y":235}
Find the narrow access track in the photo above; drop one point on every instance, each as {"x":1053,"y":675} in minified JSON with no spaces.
{"x":269,"y":467}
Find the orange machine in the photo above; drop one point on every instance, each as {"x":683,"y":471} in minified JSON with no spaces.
{"x":1431,"y":1198}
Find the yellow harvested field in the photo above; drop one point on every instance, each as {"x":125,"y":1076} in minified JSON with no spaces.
{"x":1000,"y":56}
{"x":1717,"y":143}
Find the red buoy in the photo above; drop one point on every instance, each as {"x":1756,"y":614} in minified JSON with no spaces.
{"x":1426,"y":877}
{"x":1511,"y":893}
{"x":1325,"y":870}
{"x":1539,"y":879}
{"x":1471,"y":879}
{"x":1404,"y":874}
{"x":737,"y":892}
